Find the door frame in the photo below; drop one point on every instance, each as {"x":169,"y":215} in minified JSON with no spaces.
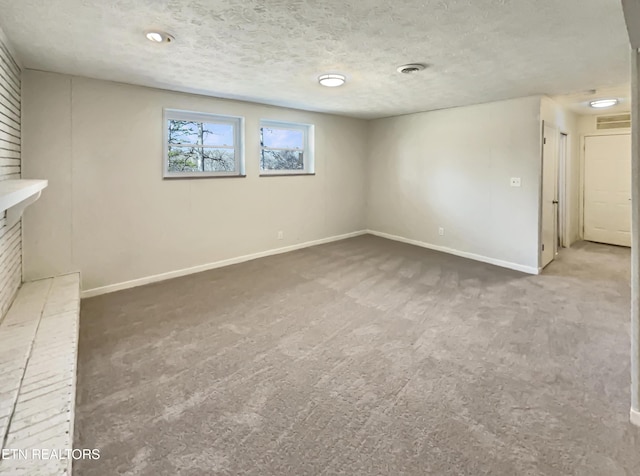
{"x":583,"y":149}
{"x":563,"y":208}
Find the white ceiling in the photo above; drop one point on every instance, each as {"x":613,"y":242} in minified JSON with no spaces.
{"x":271,"y":51}
{"x":579,"y":102}
{"x":632,"y":16}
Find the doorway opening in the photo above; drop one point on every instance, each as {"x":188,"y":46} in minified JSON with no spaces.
{"x":555,"y":200}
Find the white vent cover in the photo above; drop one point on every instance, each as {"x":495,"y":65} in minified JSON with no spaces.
{"x":616,"y":121}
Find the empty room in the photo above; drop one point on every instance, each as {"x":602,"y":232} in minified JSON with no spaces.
{"x":285,"y":237}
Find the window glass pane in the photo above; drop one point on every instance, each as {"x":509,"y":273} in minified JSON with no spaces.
{"x":201,"y":159}
{"x":217,"y":134}
{"x":282,"y":138}
{"x":219,"y":160}
{"x":282,"y":160}
{"x":183,"y":132}
{"x":189,"y":132}
{"x":183,"y":159}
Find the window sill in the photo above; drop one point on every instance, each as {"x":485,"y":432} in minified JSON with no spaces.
{"x":195,"y":177}
{"x":287,"y":175}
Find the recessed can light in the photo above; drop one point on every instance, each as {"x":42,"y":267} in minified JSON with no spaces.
{"x":159,"y":37}
{"x":410,"y":68}
{"x":332,"y":80}
{"x":602,"y":103}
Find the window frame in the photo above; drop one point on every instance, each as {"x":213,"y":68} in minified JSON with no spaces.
{"x":308,"y":132}
{"x":204,"y":117}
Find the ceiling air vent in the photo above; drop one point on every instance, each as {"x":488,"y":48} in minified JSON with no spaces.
{"x":616,"y":121}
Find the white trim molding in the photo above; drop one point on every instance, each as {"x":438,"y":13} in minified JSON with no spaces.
{"x":237,"y":124}
{"x":463,"y":254}
{"x":217,"y":264}
{"x":308,"y":146}
{"x":241,"y":259}
{"x":635,"y":417}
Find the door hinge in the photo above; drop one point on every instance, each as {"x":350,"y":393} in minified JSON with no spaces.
{"x":543,"y":247}
{"x":545,"y":140}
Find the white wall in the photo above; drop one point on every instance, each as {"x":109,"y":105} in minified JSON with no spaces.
{"x":635,"y":225}
{"x":10,"y":141}
{"x":109,"y":213}
{"x":565,"y":121}
{"x":587,"y":125}
{"x":452,"y":169}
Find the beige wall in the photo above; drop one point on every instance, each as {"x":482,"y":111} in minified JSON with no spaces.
{"x":109,"y":213}
{"x":10,"y":140}
{"x":565,"y":121}
{"x":452,"y":169}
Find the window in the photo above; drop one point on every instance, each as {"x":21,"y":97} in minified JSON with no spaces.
{"x":202,"y":145}
{"x":286,"y":148}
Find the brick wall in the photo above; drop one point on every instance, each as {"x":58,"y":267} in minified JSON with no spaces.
{"x":10,"y":238}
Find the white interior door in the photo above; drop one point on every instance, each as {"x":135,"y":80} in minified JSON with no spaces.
{"x":607,"y":189}
{"x":563,"y":239}
{"x":549,"y":195}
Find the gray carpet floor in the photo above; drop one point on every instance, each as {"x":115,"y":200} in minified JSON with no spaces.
{"x":363,"y":357}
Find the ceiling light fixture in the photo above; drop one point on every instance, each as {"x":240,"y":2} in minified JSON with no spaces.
{"x":159,"y":37}
{"x":602,"y":103}
{"x":332,"y":80}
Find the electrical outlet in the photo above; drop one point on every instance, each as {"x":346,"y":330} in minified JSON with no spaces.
{"x":441,"y":231}
{"x":515,"y":181}
{"x":281,"y":235}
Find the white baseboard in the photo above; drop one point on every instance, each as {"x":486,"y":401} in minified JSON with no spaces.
{"x":240,"y":259}
{"x":217,"y":264}
{"x":635,"y":417}
{"x":463,"y":254}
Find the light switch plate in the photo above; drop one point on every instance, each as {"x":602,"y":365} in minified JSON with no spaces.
{"x":515,"y":181}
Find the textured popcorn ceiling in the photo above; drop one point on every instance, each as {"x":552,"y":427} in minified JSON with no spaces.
{"x":632,"y":16}
{"x":272,"y":51}
{"x":579,"y":102}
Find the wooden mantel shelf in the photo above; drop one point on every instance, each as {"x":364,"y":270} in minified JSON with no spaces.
{"x":16,"y":195}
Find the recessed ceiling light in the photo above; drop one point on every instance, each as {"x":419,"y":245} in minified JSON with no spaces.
{"x":410,"y":68}
{"x":332,"y":80}
{"x":159,"y":37}
{"x":601,"y":103}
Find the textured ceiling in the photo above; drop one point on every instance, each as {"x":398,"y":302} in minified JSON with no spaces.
{"x":632,"y":16}
{"x":579,"y":102}
{"x":272,"y":51}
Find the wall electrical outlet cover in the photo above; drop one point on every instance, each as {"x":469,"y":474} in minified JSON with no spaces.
{"x":441,"y":231}
{"x":515,"y":181}
{"x":280,"y":235}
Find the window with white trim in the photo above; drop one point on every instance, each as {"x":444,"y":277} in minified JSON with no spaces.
{"x":202,"y":145}
{"x":286,"y":148}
